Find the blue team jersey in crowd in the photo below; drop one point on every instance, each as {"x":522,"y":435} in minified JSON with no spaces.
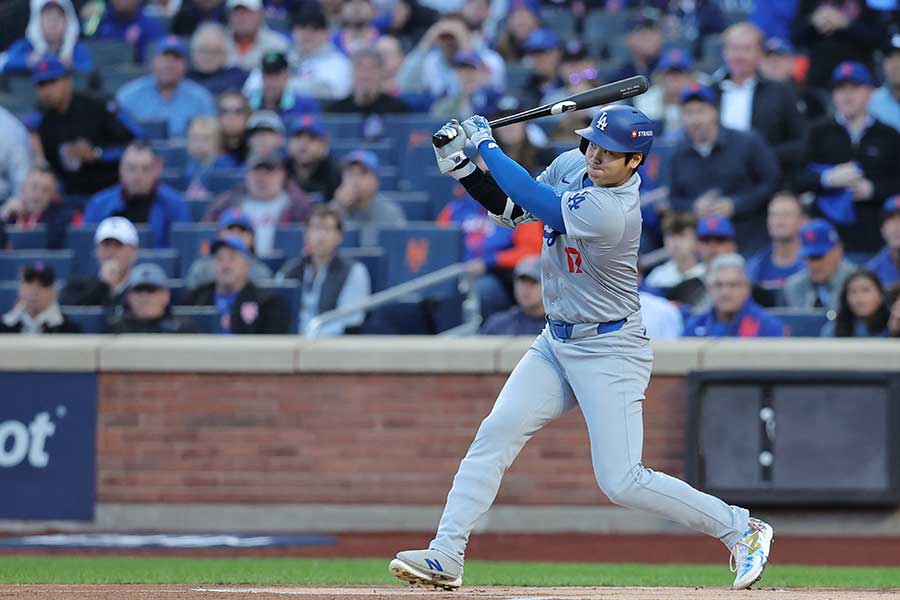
{"x":483,"y":237}
{"x":762,"y":270}
{"x":884,"y":266}
{"x":751,"y":321}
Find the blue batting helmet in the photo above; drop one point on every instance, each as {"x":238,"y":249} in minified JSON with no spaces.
{"x":619,"y":128}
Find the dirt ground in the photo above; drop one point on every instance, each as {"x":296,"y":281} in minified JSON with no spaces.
{"x":143,"y":592}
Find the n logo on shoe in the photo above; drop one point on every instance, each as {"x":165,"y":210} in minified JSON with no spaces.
{"x":753,"y":543}
{"x":434,"y":565}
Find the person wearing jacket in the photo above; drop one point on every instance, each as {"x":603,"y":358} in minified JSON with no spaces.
{"x":734,"y":313}
{"x":37,"y":311}
{"x":38,"y":203}
{"x":140,"y":197}
{"x":148,"y":299}
{"x":126,"y":21}
{"x":53,"y":28}
{"x":243,"y":307}
{"x":251,"y":38}
{"x":819,"y":284}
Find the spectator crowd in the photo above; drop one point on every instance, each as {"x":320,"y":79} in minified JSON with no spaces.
{"x":285,"y":139}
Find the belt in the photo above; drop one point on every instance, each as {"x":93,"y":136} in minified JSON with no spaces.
{"x":560,"y":330}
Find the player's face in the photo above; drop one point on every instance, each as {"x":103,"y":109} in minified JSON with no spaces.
{"x":729,"y":290}
{"x":323,"y":236}
{"x":608,"y":169}
{"x":890,"y":231}
{"x":851,"y":99}
{"x":784,"y":219}
{"x":863,"y":296}
{"x":148,"y":302}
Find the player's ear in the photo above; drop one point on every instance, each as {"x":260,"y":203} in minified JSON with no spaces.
{"x":635,"y":160}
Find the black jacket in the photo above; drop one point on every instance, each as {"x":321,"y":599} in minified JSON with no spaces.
{"x":89,"y":291}
{"x":776,"y":118}
{"x":878,"y":155}
{"x":254,"y":311}
{"x":383,"y":104}
{"x":323,"y":180}
{"x":742,"y":167}
{"x":128,"y":323}
{"x":65,"y":325}
{"x":335,"y":277}
{"x":103,"y":126}
{"x":56,"y":218}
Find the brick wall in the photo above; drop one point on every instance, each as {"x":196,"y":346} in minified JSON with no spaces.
{"x":378,"y":438}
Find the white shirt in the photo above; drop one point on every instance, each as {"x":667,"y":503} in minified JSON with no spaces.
{"x":737,"y":104}
{"x":667,"y":274}
{"x":661,"y":319}
{"x":265,"y":216}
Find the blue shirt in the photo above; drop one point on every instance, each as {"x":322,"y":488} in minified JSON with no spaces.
{"x":142,"y":100}
{"x":762,"y":270}
{"x":168,"y":207}
{"x":884,"y":266}
{"x":885,"y":107}
{"x":751,"y":321}
{"x":16,"y":58}
{"x":224,"y":302}
{"x":140,"y":30}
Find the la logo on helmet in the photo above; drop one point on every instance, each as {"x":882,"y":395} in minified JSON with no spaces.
{"x":602,"y":122}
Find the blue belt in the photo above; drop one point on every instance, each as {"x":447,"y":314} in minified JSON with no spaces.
{"x":561,"y":330}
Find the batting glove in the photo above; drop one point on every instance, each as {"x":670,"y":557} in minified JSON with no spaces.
{"x":450,"y":157}
{"x":478,"y":129}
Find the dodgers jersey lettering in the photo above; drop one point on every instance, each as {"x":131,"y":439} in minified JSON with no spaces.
{"x":589,"y":274}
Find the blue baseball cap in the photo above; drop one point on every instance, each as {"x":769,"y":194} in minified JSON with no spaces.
{"x":715,"y":227}
{"x":891,"y":206}
{"x":172,"y":44}
{"x":235,"y":217}
{"x":366,"y":158}
{"x":675,"y":59}
{"x":230,"y":242}
{"x":529,"y":5}
{"x":851,"y":72}
{"x":48,"y":68}
{"x":467,"y":58}
{"x":541,"y":40}
{"x":695,"y":91}
{"x":817,"y":237}
{"x":307,"y":123}
{"x":777,"y":45}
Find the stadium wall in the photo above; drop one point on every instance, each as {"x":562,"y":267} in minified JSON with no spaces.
{"x":211,"y":433}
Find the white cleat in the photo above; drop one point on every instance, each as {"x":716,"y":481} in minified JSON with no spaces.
{"x":429,"y":568}
{"x":750,"y":554}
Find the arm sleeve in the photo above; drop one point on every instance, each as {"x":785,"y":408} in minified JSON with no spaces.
{"x":593,"y":214}
{"x":539,"y":199}
{"x":484,"y":189}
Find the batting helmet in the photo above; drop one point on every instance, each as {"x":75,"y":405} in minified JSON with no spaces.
{"x":619,"y":128}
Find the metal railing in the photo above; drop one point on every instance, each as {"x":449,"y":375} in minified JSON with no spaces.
{"x":471,"y":304}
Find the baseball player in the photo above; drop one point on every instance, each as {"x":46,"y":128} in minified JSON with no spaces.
{"x":593,"y":352}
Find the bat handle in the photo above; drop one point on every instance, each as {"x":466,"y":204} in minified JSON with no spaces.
{"x":439,"y":140}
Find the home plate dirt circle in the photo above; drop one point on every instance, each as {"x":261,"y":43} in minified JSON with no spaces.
{"x":173,"y":592}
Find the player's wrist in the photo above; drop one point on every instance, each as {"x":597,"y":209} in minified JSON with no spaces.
{"x":466,"y":168}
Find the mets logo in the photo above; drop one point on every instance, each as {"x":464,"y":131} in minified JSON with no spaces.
{"x":602,"y":122}
{"x":416,"y":254}
{"x":575,"y":201}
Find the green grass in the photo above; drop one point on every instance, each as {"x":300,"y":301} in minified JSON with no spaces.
{"x":307,"y":571}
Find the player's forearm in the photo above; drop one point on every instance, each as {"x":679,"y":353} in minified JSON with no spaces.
{"x":539,"y":199}
{"x":482,"y":187}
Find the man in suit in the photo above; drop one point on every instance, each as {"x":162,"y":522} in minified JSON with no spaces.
{"x":819,"y":284}
{"x":750,"y":101}
{"x":243,"y":307}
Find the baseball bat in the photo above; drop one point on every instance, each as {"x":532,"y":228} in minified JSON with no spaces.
{"x":604,"y":94}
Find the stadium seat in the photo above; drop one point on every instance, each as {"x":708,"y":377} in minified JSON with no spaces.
{"x":351,"y":238}
{"x":440,"y":189}
{"x":373,"y":259}
{"x":389,"y":178}
{"x":80,"y":240}
{"x":108,"y":53}
{"x":290,"y":292}
{"x":9,"y":293}
{"x":560,"y":20}
{"x":198,"y":208}
{"x":12,"y":261}
{"x":155,"y":130}
{"x":386,"y":153}
{"x":801,"y":322}
{"x":177,"y":289}
{"x":224,"y":180}
{"x":20,"y":86}
{"x":34,"y":238}
{"x":410,"y":137}
{"x":601,"y":29}
{"x":206,"y":318}
{"x":173,"y":154}
{"x":17,"y":105}
{"x":416,"y":205}
{"x":191,"y":240}
{"x":289,"y":240}
{"x":167,"y":258}
{"x":418,"y":249}
{"x":91,"y":319}
{"x":115,"y":77}
{"x":274,"y":260}
{"x":175,"y":179}
{"x":341,"y":126}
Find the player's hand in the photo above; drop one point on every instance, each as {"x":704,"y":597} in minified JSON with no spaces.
{"x":450,"y":157}
{"x":478,"y":129}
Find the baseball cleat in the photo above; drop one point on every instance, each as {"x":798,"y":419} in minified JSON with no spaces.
{"x":427,"y":567}
{"x":750,"y":554}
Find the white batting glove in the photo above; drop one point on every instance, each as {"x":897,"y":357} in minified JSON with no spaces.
{"x":450,"y":157}
{"x":478,"y":129}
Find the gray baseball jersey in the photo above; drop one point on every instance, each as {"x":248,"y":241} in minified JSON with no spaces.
{"x":589,"y":273}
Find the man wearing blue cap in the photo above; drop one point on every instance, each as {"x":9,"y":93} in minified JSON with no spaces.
{"x":358,"y":199}
{"x":886,"y":264}
{"x":852,"y":161}
{"x":83,"y":138}
{"x":733,"y":312}
{"x":243,"y":307}
{"x":309,"y":161}
{"x":644,"y":40}
{"x":475,"y":94}
{"x":717,"y":171}
{"x":165,"y":94}
{"x":127,"y":21}
{"x":543,"y":54}
{"x":233,"y":223}
{"x":673,"y":73}
{"x":819,"y":284}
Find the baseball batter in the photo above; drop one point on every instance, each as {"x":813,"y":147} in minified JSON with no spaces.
{"x":594,"y":351}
